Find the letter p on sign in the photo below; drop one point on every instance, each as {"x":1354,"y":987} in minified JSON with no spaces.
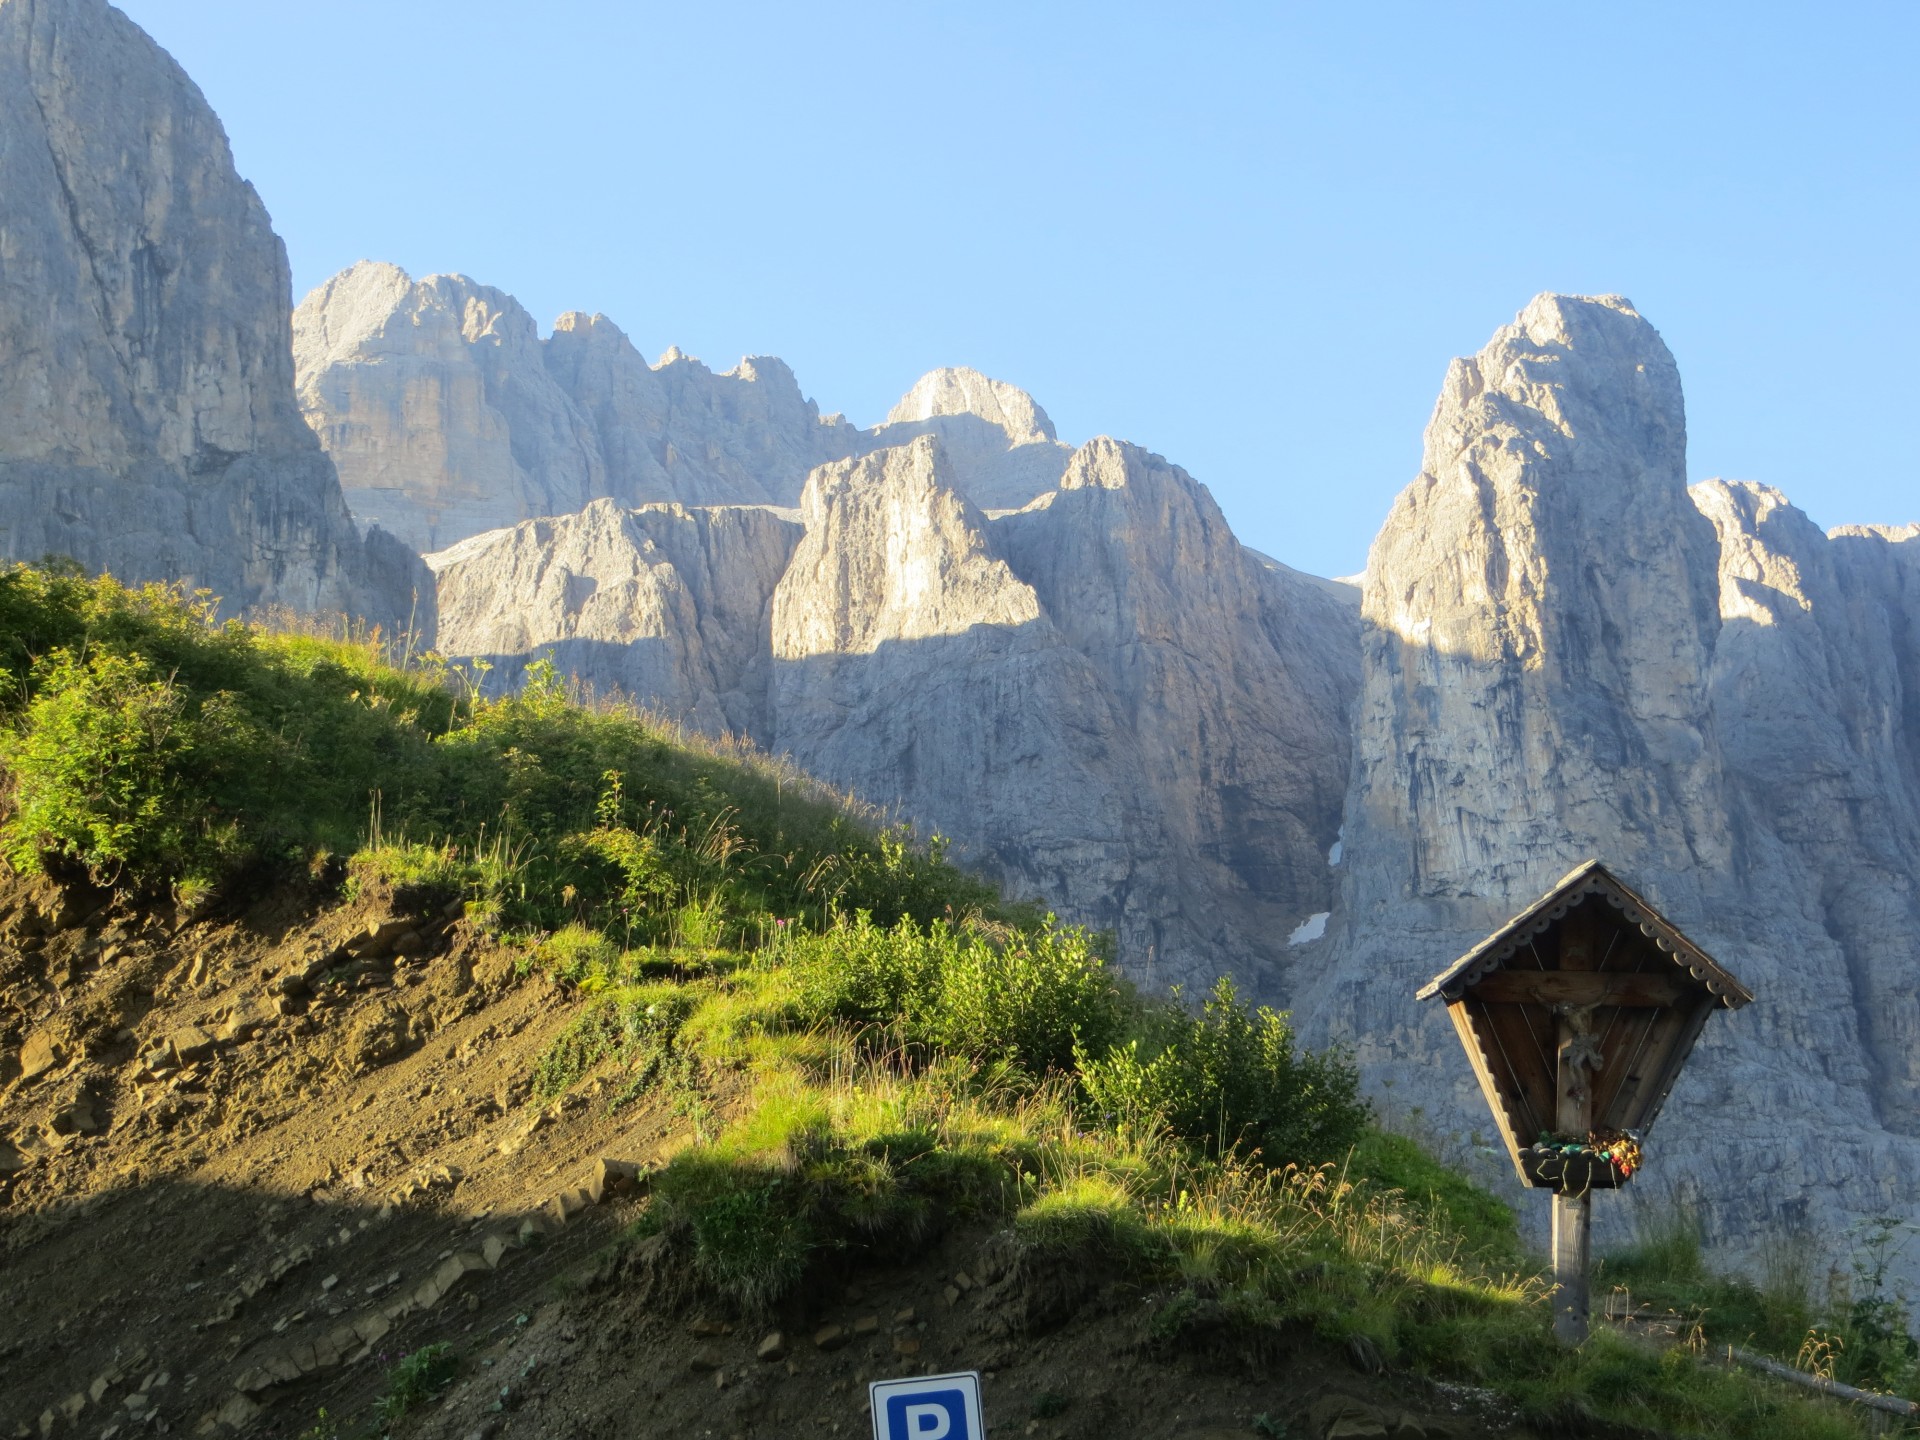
{"x":928,"y":1407}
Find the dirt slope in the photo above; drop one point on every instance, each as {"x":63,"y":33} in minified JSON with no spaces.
{"x":248,"y":1162}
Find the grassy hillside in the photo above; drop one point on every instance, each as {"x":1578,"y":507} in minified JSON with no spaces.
{"x":904,"y":1051}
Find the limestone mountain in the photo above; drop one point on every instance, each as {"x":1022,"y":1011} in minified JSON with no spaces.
{"x":1002,"y":448}
{"x":1569,"y":653}
{"x":1060,"y":657}
{"x":449,"y":415}
{"x":147,"y":417}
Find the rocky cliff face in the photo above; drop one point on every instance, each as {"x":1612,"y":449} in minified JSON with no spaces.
{"x":1061,"y":658}
{"x":436,"y":405}
{"x":1566,"y":654}
{"x":448,"y":415}
{"x":147,"y":419}
{"x":1232,"y":677}
{"x":664,"y":604}
{"x":1103,"y":699}
{"x":1000,"y":446}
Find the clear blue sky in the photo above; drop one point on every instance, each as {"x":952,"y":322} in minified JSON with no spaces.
{"x":1246,"y":236}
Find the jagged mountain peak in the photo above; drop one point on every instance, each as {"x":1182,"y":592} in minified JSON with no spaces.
{"x":1554,"y":317}
{"x":1895,"y":534}
{"x":591,"y":329}
{"x":438,"y":441}
{"x":959,"y":390}
{"x":1568,"y":366}
{"x":1108,"y":464}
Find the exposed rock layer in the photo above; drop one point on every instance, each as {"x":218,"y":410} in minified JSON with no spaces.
{"x":664,"y":604}
{"x":147,"y":418}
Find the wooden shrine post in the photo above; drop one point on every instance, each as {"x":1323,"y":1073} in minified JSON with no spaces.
{"x":1577,"y":1016}
{"x":1574,"y":1057}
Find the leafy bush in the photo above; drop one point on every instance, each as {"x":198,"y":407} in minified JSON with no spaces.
{"x":97,"y":771}
{"x":151,"y":744}
{"x":418,"y":1378}
{"x":1032,"y":999}
{"x":634,"y":1025}
{"x":1871,"y":1334}
{"x":1230,"y":1079}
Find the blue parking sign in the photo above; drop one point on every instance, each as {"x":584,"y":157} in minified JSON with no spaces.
{"x":928,"y":1407}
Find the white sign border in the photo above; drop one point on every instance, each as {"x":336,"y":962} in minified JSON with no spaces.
{"x":976,"y":1413}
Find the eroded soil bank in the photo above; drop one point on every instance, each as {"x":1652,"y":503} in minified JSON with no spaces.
{"x":252,"y":1160}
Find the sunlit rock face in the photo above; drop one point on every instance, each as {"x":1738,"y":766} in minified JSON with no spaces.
{"x":448,"y":415}
{"x":1064,"y":660}
{"x":147,"y":419}
{"x":1568,"y":653}
{"x":1231,"y":675}
{"x":1000,"y":447}
{"x":662,"y":604}
{"x":913,"y":665}
{"x":435,"y":402}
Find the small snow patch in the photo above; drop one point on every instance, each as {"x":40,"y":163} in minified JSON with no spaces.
{"x":1312,"y":928}
{"x":1339,"y":847}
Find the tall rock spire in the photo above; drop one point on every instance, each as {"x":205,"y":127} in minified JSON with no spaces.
{"x":1569,"y":654}
{"x":1539,"y":619}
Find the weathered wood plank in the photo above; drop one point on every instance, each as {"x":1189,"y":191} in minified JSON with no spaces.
{"x":1578,"y":934}
{"x":1499,"y":1101}
{"x":1519,"y":1047}
{"x":1572,"y":1214}
{"x":1891,"y":1404}
{"x":1561,"y":987}
{"x":1687,"y":1025}
{"x":1630,"y":1098}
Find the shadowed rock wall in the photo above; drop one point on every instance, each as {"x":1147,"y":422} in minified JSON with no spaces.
{"x":147,"y":417}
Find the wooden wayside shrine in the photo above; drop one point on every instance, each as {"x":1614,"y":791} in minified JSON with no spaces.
{"x":1577,"y":1016}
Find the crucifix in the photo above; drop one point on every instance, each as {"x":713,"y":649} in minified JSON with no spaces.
{"x":1577,"y":1016}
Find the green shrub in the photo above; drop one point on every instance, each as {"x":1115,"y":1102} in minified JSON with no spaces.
{"x":147,"y":740}
{"x":1871,"y":1333}
{"x":151,"y":744}
{"x":1229,"y":1079}
{"x":750,"y":1224}
{"x":580,"y":956}
{"x":97,"y":766}
{"x":635,"y":1025}
{"x":418,"y":1378}
{"x":1032,"y":999}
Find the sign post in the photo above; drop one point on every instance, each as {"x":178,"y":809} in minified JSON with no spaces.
{"x":1577,"y":1016}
